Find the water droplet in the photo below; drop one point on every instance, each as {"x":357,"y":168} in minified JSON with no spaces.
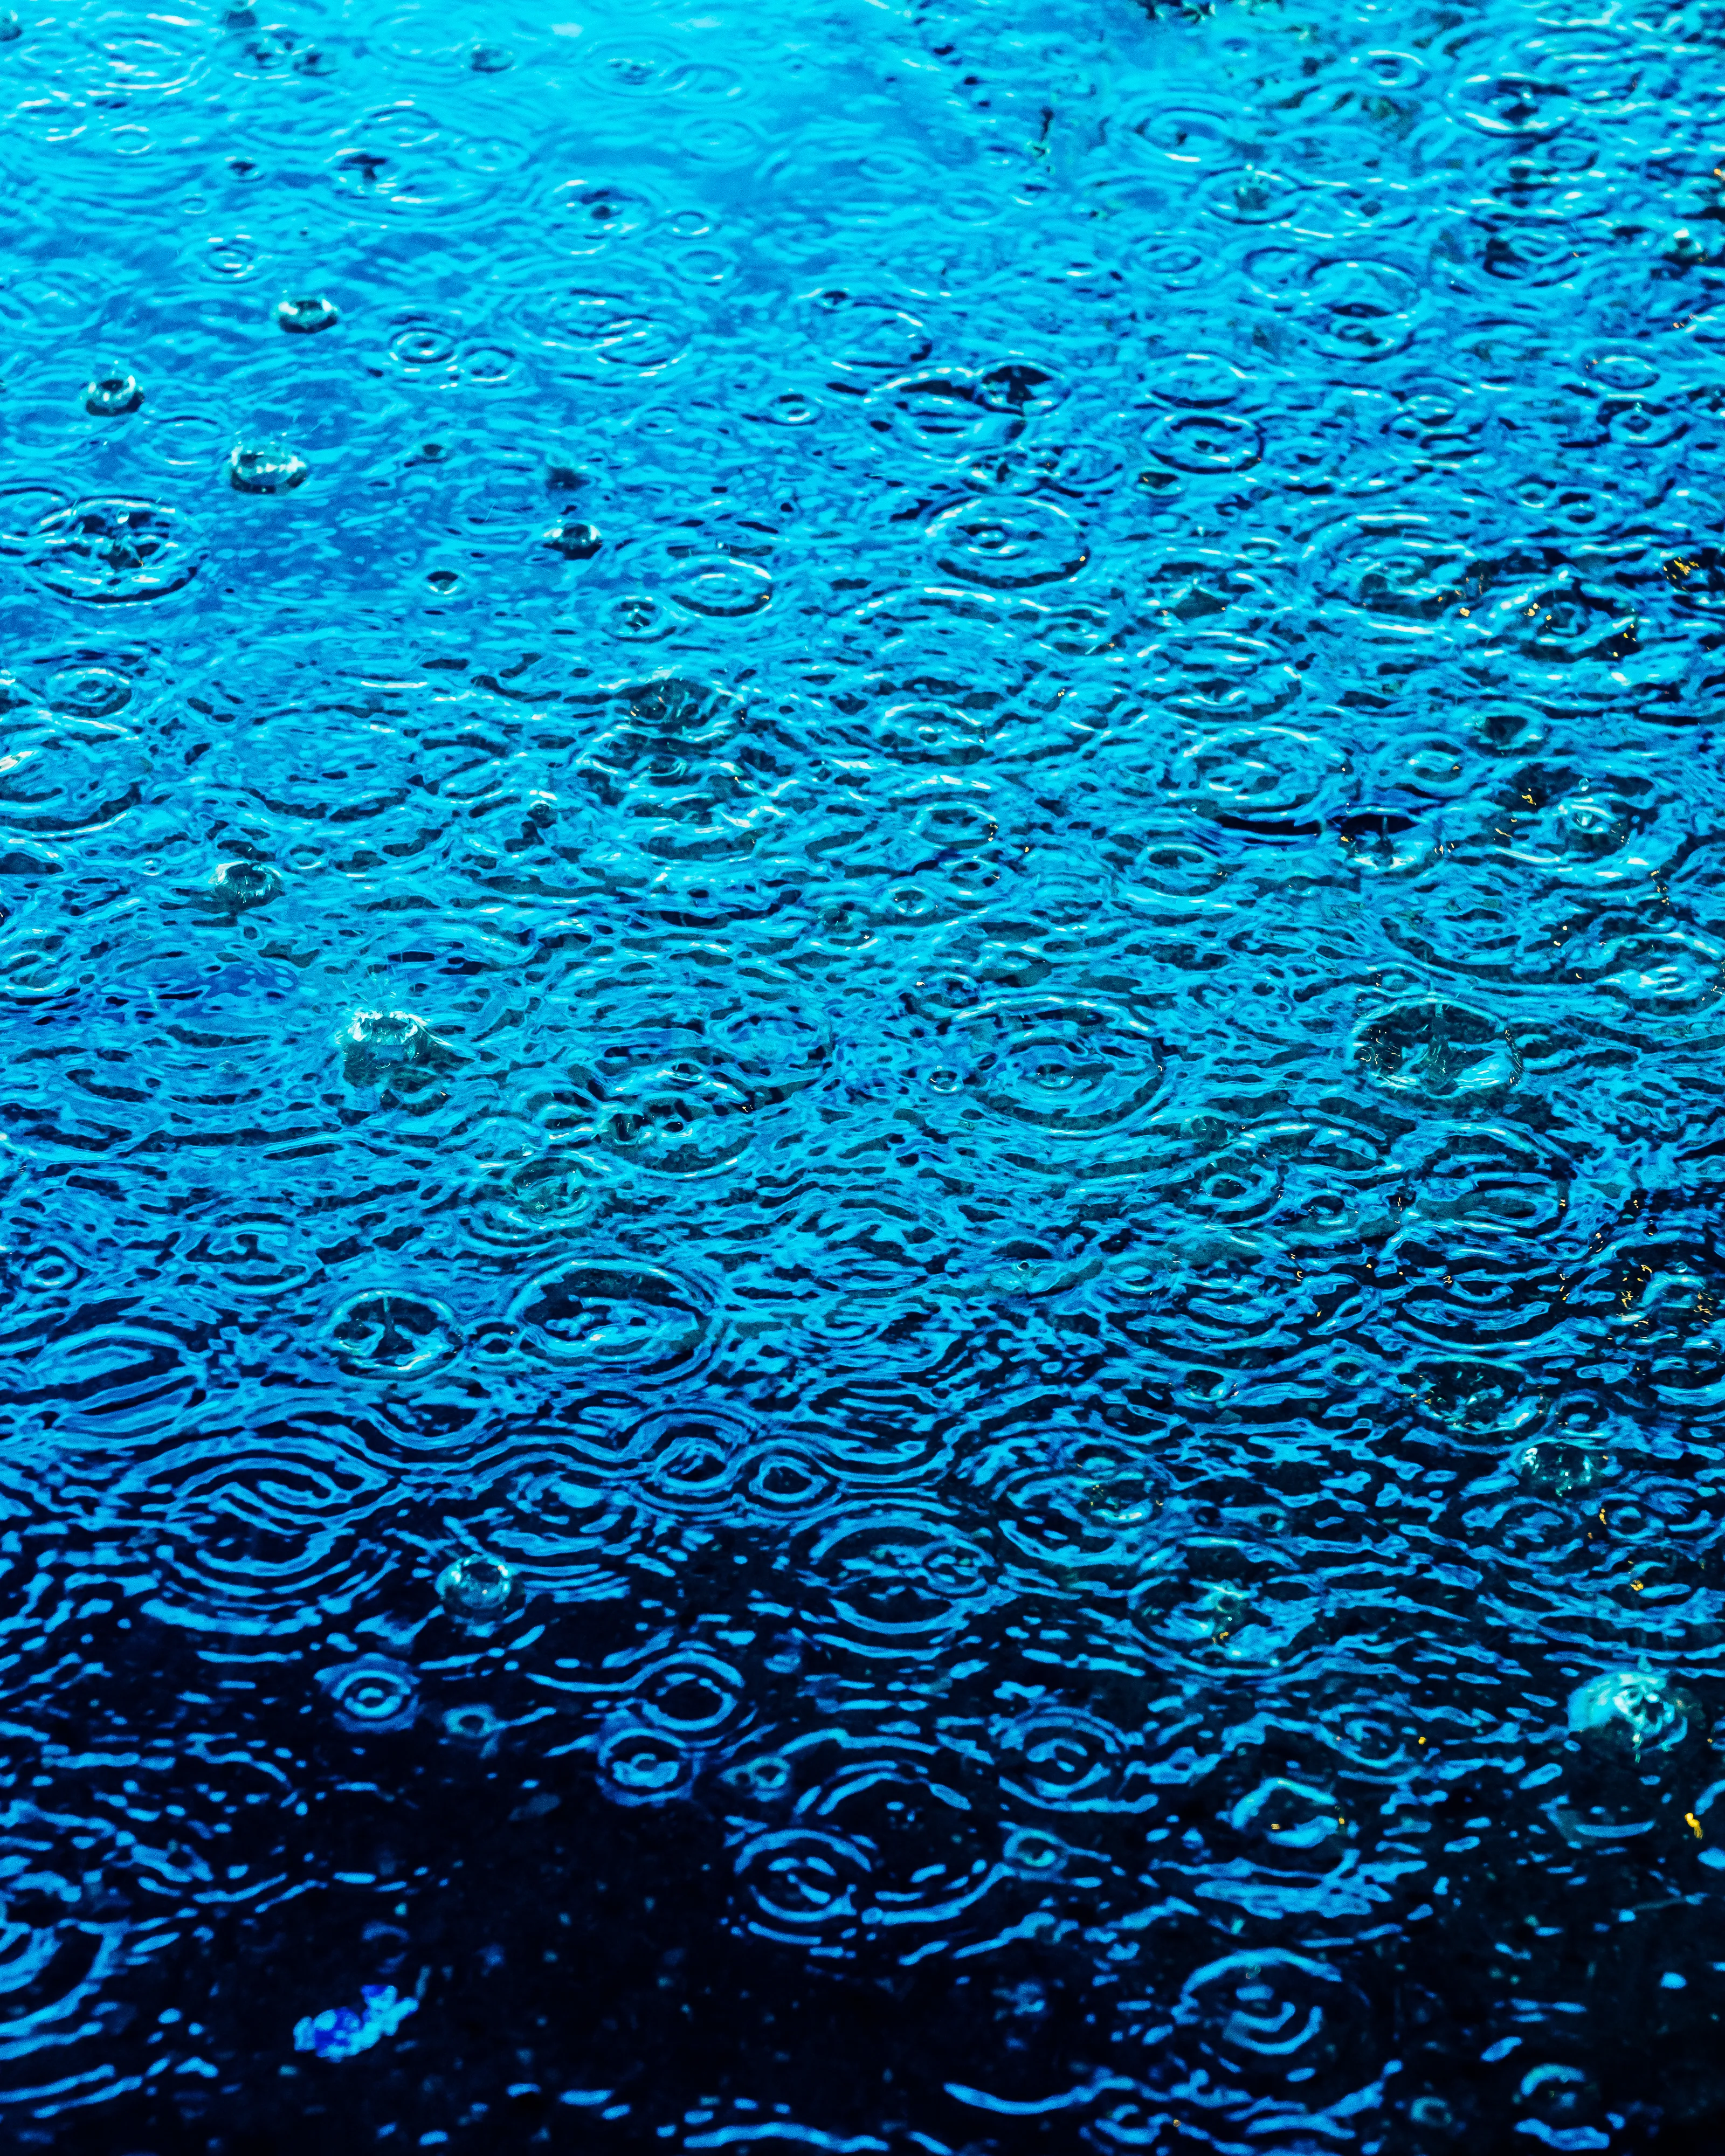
{"x":112,"y":550}
{"x":240,"y":884}
{"x":490,"y":59}
{"x":265,"y":467}
{"x":1440,"y":1049}
{"x":306,"y":316}
{"x":387,"y":1036}
{"x":573,"y":540}
{"x":1634,"y":1712}
{"x":476,"y":1589}
{"x":388,"y":1335}
{"x":108,"y":396}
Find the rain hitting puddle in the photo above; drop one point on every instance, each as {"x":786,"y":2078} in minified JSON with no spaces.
{"x":863,"y":952}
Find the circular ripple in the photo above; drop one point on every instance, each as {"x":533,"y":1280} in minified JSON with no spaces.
{"x":1071,"y":1071}
{"x":385,"y":1334}
{"x":112,"y":550}
{"x":1360,"y":311}
{"x":900,"y":1583}
{"x":68,"y":1879}
{"x":721,"y":588}
{"x":589,"y":216}
{"x":1206,"y":441}
{"x":421,"y":342}
{"x":1252,"y":195}
{"x":957,"y":414}
{"x":1291,"y":1827}
{"x":781,"y":1482}
{"x":1008,"y":543}
{"x":1655,"y":979}
{"x":1215,"y":1603}
{"x":260,"y":1535}
{"x":1572,"y":827}
{"x":1306,"y":1179}
{"x":1487,"y":1177}
{"x":372,"y":1696}
{"x":553,"y":1512}
{"x":804,"y":1886}
{"x":1070,"y":1524}
{"x":1270,"y":781}
{"x":57,"y":784}
{"x":640,"y":1764}
{"x":118,"y":1380}
{"x":694,"y":1697}
{"x":1062,"y":1758}
{"x":1489,"y":1294}
{"x":870,"y":336}
{"x":691,"y":1459}
{"x":611,"y":1312}
{"x":1405,"y":570}
{"x":1271,"y":2017}
{"x":636,"y":332}
{"x":1439,"y":1050}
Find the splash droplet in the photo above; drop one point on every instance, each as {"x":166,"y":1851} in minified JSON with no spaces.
{"x":241,"y":884}
{"x":574,"y":541}
{"x":476,"y":1588}
{"x":265,"y":467}
{"x":305,"y":316}
{"x":1633,"y":1711}
{"x":111,"y":394}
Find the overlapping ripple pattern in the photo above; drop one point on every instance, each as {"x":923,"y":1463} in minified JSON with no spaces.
{"x":891,"y":835}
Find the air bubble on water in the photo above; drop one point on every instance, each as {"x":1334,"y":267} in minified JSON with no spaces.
{"x":304,"y":316}
{"x":265,"y":467}
{"x":490,"y":59}
{"x":1637,"y":1711}
{"x":10,"y":27}
{"x":476,"y":1589}
{"x":112,"y":393}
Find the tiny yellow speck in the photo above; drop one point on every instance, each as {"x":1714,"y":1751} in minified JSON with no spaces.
{"x":1695,"y":1823}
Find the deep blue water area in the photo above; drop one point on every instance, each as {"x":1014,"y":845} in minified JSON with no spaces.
{"x":862,"y":985}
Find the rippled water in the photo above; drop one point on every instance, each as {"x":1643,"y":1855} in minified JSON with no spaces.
{"x":862,"y":946}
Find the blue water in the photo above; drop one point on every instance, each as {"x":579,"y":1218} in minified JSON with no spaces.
{"x":884,"y":840}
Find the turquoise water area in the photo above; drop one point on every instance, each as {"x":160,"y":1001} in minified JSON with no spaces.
{"x":860,"y":1150}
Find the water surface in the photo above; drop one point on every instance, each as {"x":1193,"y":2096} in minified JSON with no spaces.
{"x":885,"y":838}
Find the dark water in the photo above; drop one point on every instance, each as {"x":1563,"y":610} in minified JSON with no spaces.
{"x":890,"y":832}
